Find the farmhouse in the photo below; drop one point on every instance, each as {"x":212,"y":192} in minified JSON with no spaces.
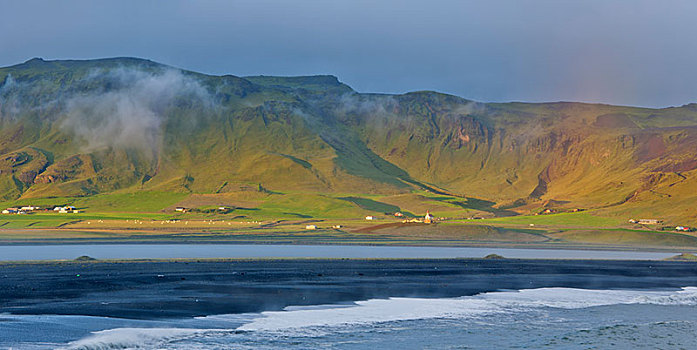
{"x":370,"y":217}
{"x":683,"y":228}
{"x":10,"y":211}
{"x":66,"y":209}
{"x":311,"y":227}
{"x":180,"y":209}
{"x":649,"y":221}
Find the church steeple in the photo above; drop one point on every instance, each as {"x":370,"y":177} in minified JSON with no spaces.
{"x":428,"y":218}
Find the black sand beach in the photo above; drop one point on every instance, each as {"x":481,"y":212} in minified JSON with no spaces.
{"x":160,"y":289}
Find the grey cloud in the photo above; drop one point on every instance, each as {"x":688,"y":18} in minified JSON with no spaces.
{"x":9,"y":105}
{"x":132,"y":114}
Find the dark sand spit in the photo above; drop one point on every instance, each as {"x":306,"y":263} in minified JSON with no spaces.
{"x":157,"y":289}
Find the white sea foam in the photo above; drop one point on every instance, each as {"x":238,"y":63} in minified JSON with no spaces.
{"x":317,"y":320}
{"x":687,"y":296}
{"x":404,"y":309}
{"x":370,"y":311}
{"x":137,"y":338}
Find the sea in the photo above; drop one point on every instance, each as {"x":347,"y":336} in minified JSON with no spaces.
{"x":535,"y":318}
{"x":545,"y":318}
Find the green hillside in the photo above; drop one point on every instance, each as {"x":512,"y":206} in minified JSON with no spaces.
{"x":96,"y":130}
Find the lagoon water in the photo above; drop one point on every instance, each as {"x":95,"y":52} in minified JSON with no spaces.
{"x":172,"y":251}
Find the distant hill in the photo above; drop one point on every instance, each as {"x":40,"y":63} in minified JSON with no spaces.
{"x":79,"y":128}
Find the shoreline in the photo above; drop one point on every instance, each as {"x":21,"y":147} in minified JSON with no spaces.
{"x":396,"y":243}
{"x":94,"y":254}
{"x":299,"y":259}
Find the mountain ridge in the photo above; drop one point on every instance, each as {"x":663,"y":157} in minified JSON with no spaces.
{"x":84,"y":127}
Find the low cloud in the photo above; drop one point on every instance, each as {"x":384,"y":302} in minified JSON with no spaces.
{"x":469,"y":108}
{"x":130,"y":108}
{"x":372,"y":105}
{"x":9,"y":106}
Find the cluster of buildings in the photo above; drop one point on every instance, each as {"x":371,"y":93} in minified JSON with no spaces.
{"x":314,"y":227}
{"x":657,"y":221}
{"x":645,"y":221}
{"x":21,"y":210}
{"x":32,"y":208}
{"x":428,"y":219}
{"x":66,"y":209}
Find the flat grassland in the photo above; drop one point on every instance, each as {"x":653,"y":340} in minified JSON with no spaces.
{"x":285,"y":218}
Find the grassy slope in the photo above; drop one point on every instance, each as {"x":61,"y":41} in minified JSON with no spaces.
{"x":305,"y":143}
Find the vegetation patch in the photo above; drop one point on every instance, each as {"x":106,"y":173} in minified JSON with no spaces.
{"x":683,"y":257}
{"x":369,"y":204}
{"x":584,"y":218}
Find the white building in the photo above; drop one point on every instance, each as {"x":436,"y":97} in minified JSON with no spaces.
{"x":66,"y":209}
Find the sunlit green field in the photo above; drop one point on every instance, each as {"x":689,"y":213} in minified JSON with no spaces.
{"x":340,"y":219}
{"x":581,"y":219}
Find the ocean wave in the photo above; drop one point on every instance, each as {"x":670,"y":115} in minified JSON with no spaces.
{"x":406,"y":309}
{"x":312,"y":321}
{"x":687,"y":296}
{"x":137,"y":338}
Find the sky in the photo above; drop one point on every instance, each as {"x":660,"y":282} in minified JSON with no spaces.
{"x":625,"y":52}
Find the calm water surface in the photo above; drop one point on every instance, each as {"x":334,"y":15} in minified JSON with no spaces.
{"x":170,"y":251}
